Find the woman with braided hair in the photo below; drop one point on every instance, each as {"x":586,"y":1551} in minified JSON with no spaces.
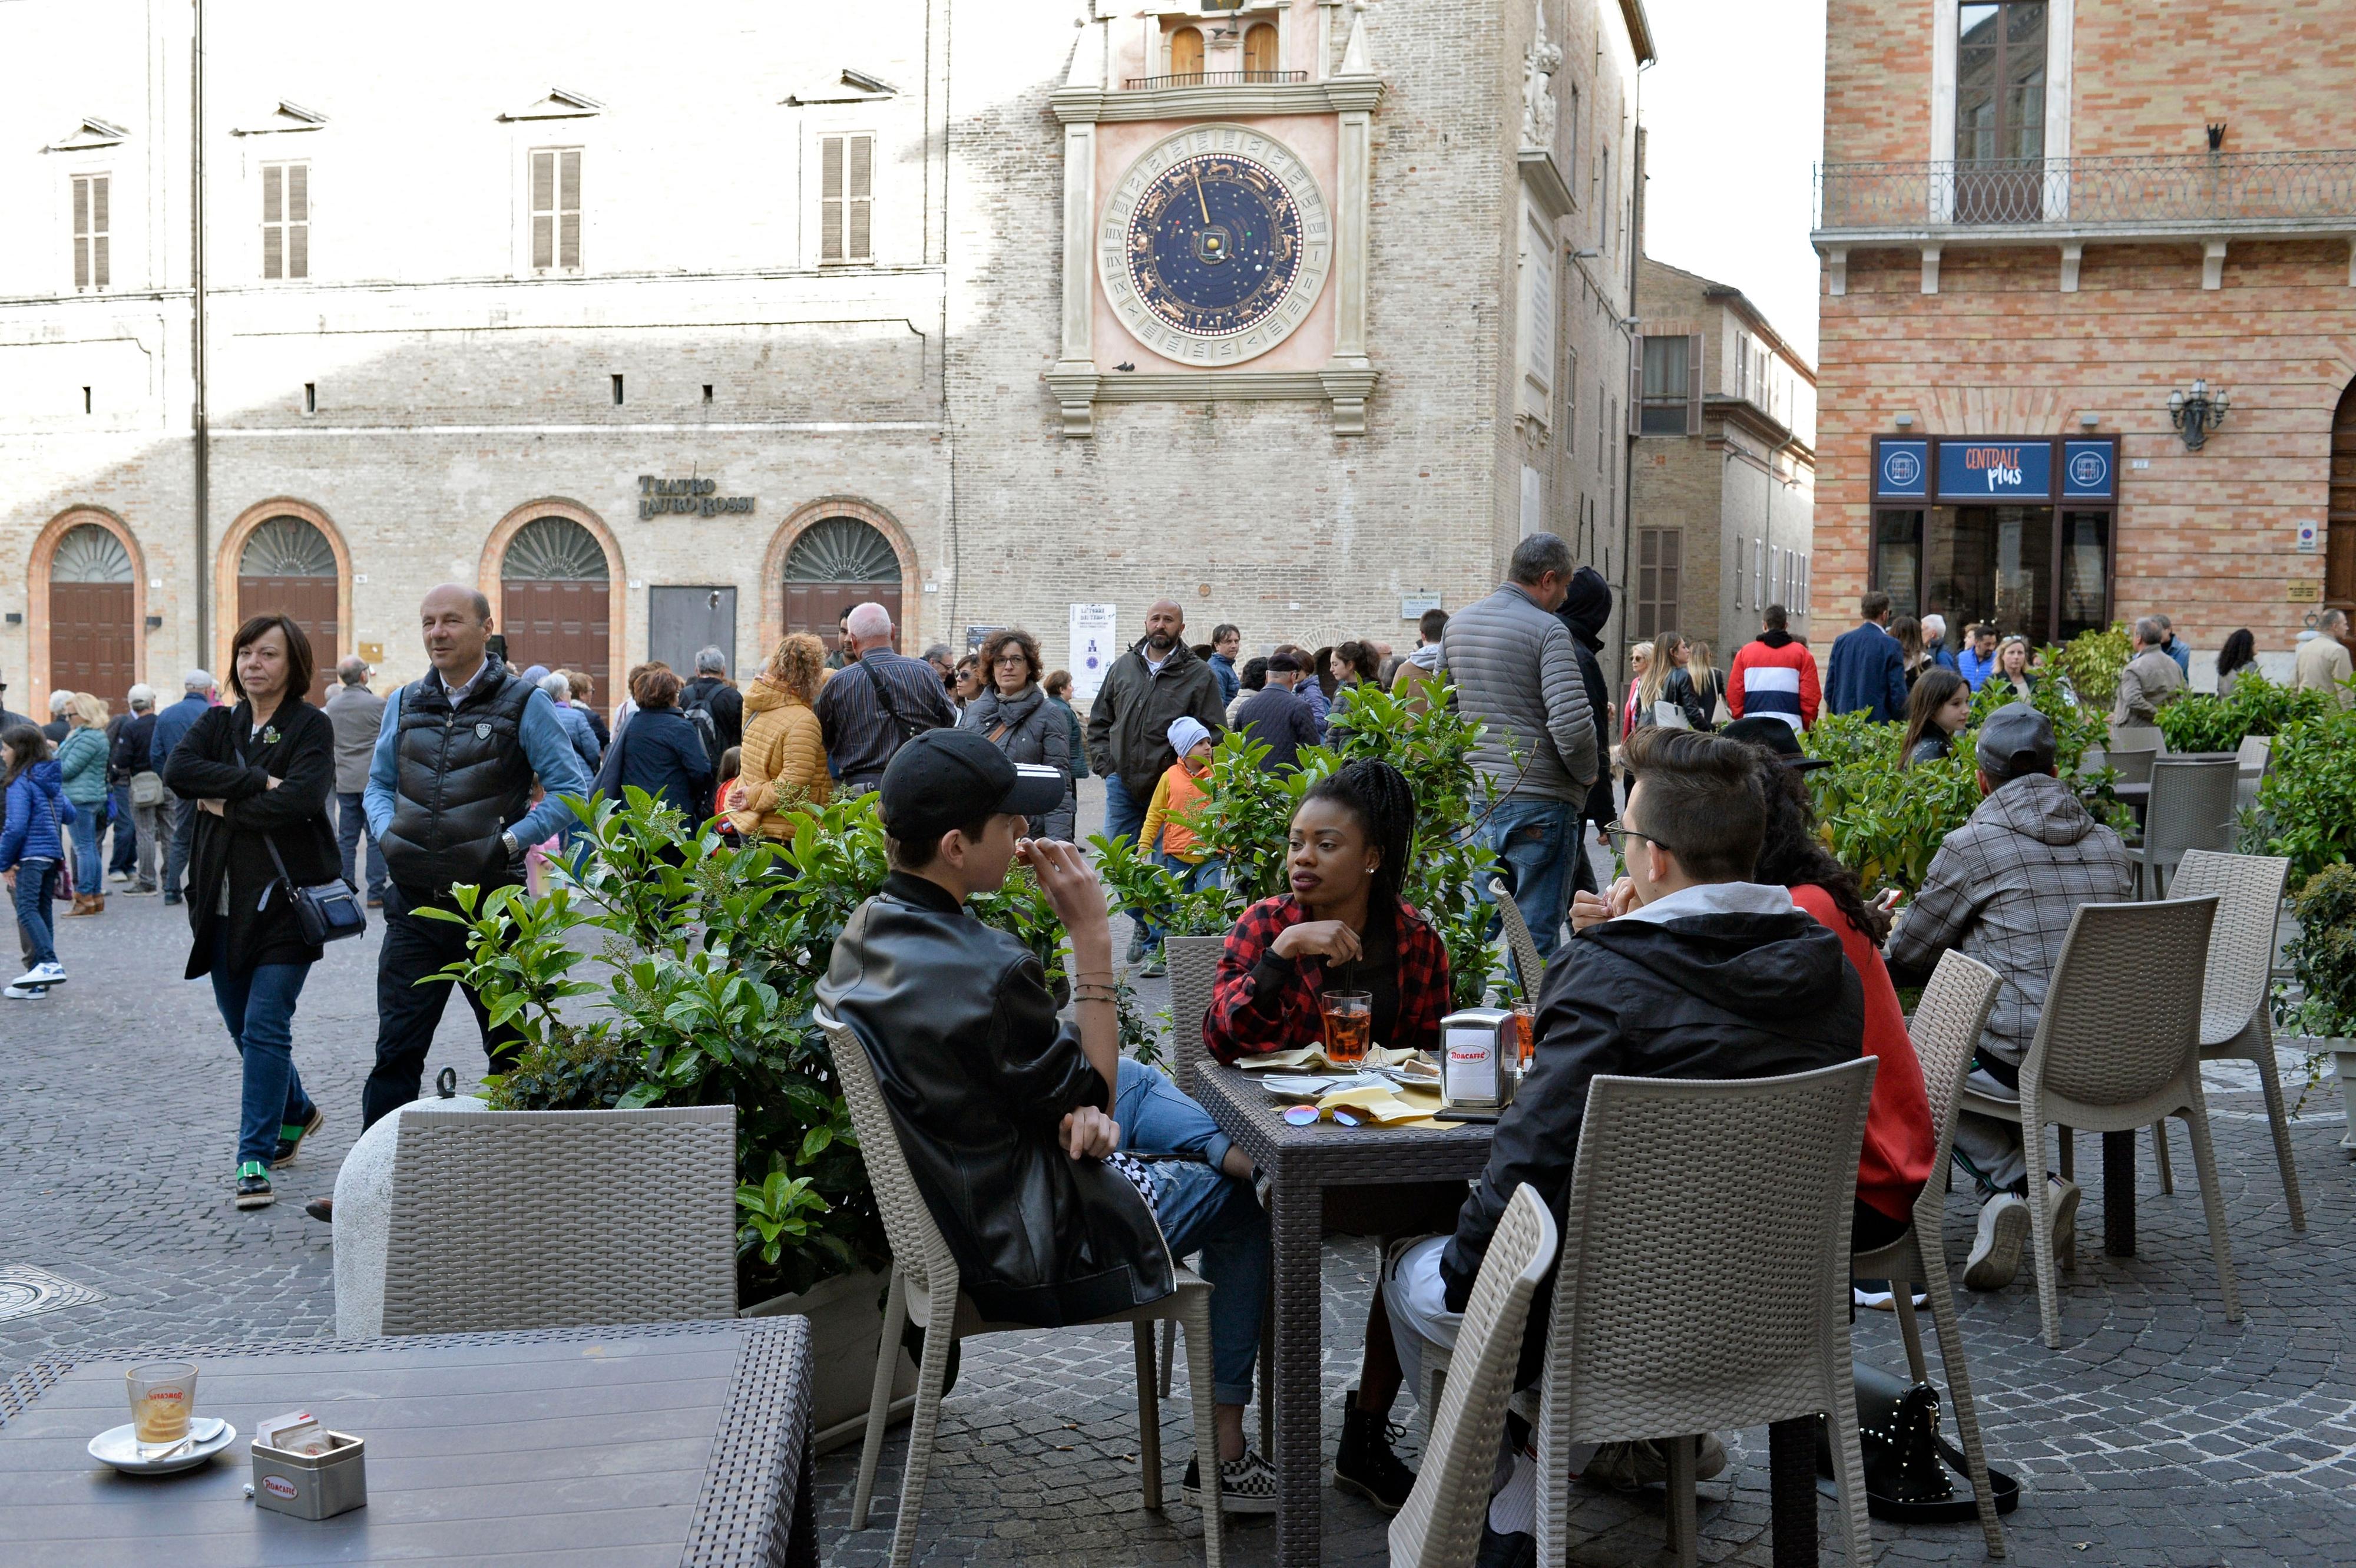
{"x":1346,"y":926}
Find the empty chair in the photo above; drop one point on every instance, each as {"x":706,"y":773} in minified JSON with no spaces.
{"x":1193,"y":971}
{"x":2256,"y":757}
{"x":925,"y":1287}
{"x":2118,"y":1047}
{"x":1946,"y":1029}
{"x":2133,"y":766}
{"x":1528,"y":968}
{"x":2137,"y":737}
{"x":2235,"y":1026}
{"x":1704,"y":1280}
{"x":1440,"y":1527}
{"x":2191,"y":807}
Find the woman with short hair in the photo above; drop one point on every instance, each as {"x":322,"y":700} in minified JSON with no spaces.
{"x":659,"y":750}
{"x":1016,"y":716}
{"x":259,"y":773}
{"x":82,"y":758}
{"x":1058,"y":687}
{"x":2012,"y":669}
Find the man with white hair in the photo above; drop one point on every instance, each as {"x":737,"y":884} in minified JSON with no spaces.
{"x":711,"y":692}
{"x":1934,"y":642}
{"x":879,"y":701}
{"x":357,"y":714}
{"x":575,"y":721}
{"x":133,"y":761}
{"x":60,"y":717}
{"x":2322,"y":663}
{"x":172,"y":726}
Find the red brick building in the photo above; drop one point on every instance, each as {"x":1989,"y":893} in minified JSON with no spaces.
{"x":2088,"y":318}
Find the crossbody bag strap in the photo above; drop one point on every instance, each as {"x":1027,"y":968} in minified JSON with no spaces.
{"x":884,"y":696}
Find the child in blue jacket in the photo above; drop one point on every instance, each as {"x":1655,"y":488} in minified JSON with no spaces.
{"x":32,"y":844}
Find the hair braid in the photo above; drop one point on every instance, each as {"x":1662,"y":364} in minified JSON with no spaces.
{"x":1379,"y":795}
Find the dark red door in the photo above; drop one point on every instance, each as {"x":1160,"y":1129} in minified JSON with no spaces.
{"x":91,"y":646}
{"x":311,"y":603}
{"x":818,"y":607}
{"x":563,"y":625}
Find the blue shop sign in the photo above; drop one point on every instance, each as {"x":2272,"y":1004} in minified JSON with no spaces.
{"x":1996,"y":470}
{"x":1902,"y":471}
{"x":2086,"y":470}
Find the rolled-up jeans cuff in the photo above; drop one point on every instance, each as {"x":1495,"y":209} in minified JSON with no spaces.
{"x":1231,"y":1394}
{"x":1214,"y":1149}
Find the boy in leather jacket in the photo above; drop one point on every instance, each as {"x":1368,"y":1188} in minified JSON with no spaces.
{"x":1004,"y":1109}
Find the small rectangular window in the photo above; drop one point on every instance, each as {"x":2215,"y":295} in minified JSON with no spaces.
{"x":846,"y":198}
{"x":310,"y":397}
{"x":556,"y":209}
{"x":92,"y":266}
{"x":707,"y":392}
{"x":1666,"y":362}
{"x":85,"y":399}
{"x":1660,"y":561}
{"x":618,"y":391}
{"x":285,"y":221}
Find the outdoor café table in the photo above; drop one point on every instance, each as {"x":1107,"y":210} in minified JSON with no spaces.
{"x":669,"y":1442}
{"x":1300,"y":1164}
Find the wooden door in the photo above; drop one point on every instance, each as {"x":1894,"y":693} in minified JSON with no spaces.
{"x":93,"y":641}
{"x":816,"y":607}
{"x":2339,"y":542}
{"x":566,"y":625}
{"x":310,"y":602}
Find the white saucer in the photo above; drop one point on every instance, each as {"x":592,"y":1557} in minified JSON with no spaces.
{"x":118,"y":1446}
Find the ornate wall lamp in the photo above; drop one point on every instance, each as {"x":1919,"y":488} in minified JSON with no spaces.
{"x":2196,"y":413}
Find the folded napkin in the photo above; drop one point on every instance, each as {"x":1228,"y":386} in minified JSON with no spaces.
{"x":1385,"y":1107}
{"x":1313,"y":1058}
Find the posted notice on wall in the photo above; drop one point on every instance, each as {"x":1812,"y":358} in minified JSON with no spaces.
{"x":1093,"y":649}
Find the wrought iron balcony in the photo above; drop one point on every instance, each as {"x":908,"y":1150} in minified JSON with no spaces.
{"x":2022,"y":199}
{"x":1213,"y":78}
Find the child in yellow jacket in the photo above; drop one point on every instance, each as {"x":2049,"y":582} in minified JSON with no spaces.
{"x":1168,"y":834}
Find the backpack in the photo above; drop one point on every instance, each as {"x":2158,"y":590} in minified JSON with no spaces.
{"x":698,"y":711}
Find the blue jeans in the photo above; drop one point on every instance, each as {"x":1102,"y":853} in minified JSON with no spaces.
{"x":1156,"y":1117}
{"x":259,"y":1008}
{"x":351,"y":826}
{"x":37,"y":882}
{"x":1124,"y":813}
{"x":1538,"y":836}
{"x":127,"y":835}
{"x":1217,"y":1216}
{"x":90,"y":865}
{"x":1212,"y":873}
{"x":176,"y":849}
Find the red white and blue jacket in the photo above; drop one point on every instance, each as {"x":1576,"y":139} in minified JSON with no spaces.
{"x":1774,"y":675}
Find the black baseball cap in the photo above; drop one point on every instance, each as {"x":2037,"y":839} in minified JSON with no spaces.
{"x":1773,"y":734}
{"x":2015,"y":740}
{"x":946,"y":779}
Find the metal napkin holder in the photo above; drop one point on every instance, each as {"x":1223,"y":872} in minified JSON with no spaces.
{"x":1480,"y":1060}
{"x":311,"y":1485}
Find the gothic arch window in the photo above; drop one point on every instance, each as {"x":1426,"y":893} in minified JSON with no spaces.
{"x":93,"y":615}
{"x":554,"y":549}
{"x":836,"y":562}
{"x":286,"y":547}
{"x":90,"y":554}
{"x":287,"y":567}
{"x":556,"y":599}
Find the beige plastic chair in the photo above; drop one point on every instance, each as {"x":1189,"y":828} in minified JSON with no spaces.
{"x":925,"y":1287}
{"x":2133,"y":766}
{"x":1528,"y":968}
{"x":2138,"y":737}
{"x":2191,"y":807}
{"x":2255,"y":759}
{"x":2235,"y":1026}
{"x":1194,"y":972}
{"x":1704,"y":1280}
{"x":633,"y":1218}
{"x":1946,"y":1029}
{"x":1440,"y":1527}
{"x":2118,"y":1047}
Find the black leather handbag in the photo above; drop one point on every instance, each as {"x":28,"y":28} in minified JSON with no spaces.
{"x":328,"y":912}
{"x":1907,"y":1462}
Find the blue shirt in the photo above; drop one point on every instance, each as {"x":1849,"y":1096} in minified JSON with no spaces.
{"x":545,"y":741}
{"x":1223,"y":670}
{"x":1975,"y":670}
{"x":172,"y":727}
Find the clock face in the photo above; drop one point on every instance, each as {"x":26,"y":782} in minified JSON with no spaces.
{"x":1214,"y":245}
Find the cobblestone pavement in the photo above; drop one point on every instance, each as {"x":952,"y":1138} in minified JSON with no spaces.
{"x":2159,"y":1434}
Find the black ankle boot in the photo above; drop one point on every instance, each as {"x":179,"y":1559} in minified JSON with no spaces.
{"x":1364,"y":1463}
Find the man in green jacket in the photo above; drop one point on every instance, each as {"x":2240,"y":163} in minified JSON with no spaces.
{"x":1157,"y":681}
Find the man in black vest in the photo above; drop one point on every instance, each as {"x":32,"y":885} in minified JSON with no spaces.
{"x":447,"y":789}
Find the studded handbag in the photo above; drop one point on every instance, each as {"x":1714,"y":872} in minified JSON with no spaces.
{"x":1906,"y":1461}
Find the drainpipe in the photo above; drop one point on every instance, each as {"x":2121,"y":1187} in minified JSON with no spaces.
{"x":199,"y":417}
{"x":1627,"y":447}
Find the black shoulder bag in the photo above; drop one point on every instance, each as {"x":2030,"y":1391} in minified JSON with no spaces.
{"x":326,"y":913}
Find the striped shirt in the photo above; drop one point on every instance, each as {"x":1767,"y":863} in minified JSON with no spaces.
{"x":861,"y":736}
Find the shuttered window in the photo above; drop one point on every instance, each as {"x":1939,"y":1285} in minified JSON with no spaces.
{"x":1742,"y":553}
{"x":1186,"y":52}
{"x":287,"y":220}
{"x":91,"y":266}
{"x":846,"y":201}
{"x":555,"y":208}
{"x":1259,"y":52}
{"x":1538,"y":315}
{"x":1660,"y":563}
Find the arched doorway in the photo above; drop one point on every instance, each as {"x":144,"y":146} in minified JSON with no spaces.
{"x":287,"y":567}
{"x":93,"y":618}
{"x":2339,"y":540}
{"x":555,"y":599}
{"x":834,"y":564}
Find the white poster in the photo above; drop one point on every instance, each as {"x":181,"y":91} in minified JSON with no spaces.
{"x":1093,"y":649}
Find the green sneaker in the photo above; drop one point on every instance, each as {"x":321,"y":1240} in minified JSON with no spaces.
{"x":253,"y":1186}
{"x":291,"y":1136}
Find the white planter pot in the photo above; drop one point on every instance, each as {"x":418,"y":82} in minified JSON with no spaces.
{"x":846,"y":1315}
{"x":2343,"y":1067}
{"x":364,"y":1220}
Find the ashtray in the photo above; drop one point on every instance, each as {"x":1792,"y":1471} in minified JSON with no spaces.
{"x":120,"y":1446}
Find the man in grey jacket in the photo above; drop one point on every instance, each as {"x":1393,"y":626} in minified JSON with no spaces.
{"x":356,"y":714}
{"x":1515,"y":669}
{"x":2151,"y":677}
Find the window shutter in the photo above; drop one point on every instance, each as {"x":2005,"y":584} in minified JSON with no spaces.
{"x":273,"y":213}
{"x":1635,"y":386}
{"x":298,"y":220}
{"x":82,"y":233}
{"x":860,"y":199}
{"x":568,"y":198}
{"x":98,"y":270}
{"x":1742,"y":549}
{"x":543,"y":210}
{"x":829,"y":200}
{"x":1693,"y":384}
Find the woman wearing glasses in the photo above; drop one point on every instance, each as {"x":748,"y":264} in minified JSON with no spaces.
{"x":1014,"y":711}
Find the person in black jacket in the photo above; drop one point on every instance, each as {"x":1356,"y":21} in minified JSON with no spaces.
{"x":134,"y":756}
{"x":660,"y":751}
{"x":1686,"y":969}
{"x":1586,"y":609}
{"x":260,"y":774}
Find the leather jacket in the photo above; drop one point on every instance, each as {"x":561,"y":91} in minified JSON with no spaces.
{"x":979,"y":1073}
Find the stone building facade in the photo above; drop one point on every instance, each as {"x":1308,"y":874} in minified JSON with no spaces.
{"x":698,"y":325}
{"x":1725,"y":467}
{"x":2089,"y":314}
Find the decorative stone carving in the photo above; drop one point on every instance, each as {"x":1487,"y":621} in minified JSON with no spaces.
{"x":1540,"y":63}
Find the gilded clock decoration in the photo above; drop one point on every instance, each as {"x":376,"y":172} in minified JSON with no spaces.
{"x":1216,"y":244}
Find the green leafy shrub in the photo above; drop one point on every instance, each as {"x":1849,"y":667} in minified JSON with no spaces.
{"x":2092,"y":662}
{"x":2198,"y":721}
{"x":2306,"y":806}
{"x":2323,"y":957}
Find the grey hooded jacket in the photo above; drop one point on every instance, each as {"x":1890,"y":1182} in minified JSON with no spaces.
{"x":1515,"y":670}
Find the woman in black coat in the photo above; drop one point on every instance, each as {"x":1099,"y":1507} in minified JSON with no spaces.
{"x":659,"y":750}
{"x":261,"y":774}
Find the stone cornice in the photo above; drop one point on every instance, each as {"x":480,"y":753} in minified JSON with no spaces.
{"x":1332,"y":96}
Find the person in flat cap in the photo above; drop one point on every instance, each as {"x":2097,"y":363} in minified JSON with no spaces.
{"x":2002,"y":889}
{"x":1015,"y":1122}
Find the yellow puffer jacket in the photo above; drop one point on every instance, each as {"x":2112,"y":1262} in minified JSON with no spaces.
{"x":784,"y":755}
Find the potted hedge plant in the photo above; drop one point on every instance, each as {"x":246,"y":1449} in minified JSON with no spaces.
{"x":2323,"y":966}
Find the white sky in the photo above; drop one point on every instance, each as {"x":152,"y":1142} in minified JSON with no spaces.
{"x":1734,"y":121}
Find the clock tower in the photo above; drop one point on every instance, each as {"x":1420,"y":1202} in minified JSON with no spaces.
{"x":1215,"y":209}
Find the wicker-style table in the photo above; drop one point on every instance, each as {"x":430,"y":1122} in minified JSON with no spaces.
{"x":669,"y":1444}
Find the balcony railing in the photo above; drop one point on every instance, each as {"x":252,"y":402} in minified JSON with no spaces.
{"x":1213,"y":78}
{"x":2293,"y":189}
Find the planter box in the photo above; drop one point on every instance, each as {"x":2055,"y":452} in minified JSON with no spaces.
{"x":2343,"y":1067}
{"x":846,"y":1315}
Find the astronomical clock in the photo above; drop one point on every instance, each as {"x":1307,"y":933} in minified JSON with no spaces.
{"x":1215,"y":209}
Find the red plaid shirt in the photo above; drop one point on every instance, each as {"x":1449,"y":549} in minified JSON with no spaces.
{"x":1246,"y":1018}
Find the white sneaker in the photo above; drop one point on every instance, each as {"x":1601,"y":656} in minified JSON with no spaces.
{"x":24,"y":992}
{"x":2061,"y":1204}
{"x":1884,"y":1299}
{"x":50,"y":973}
{"x":1995,"y":1250}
